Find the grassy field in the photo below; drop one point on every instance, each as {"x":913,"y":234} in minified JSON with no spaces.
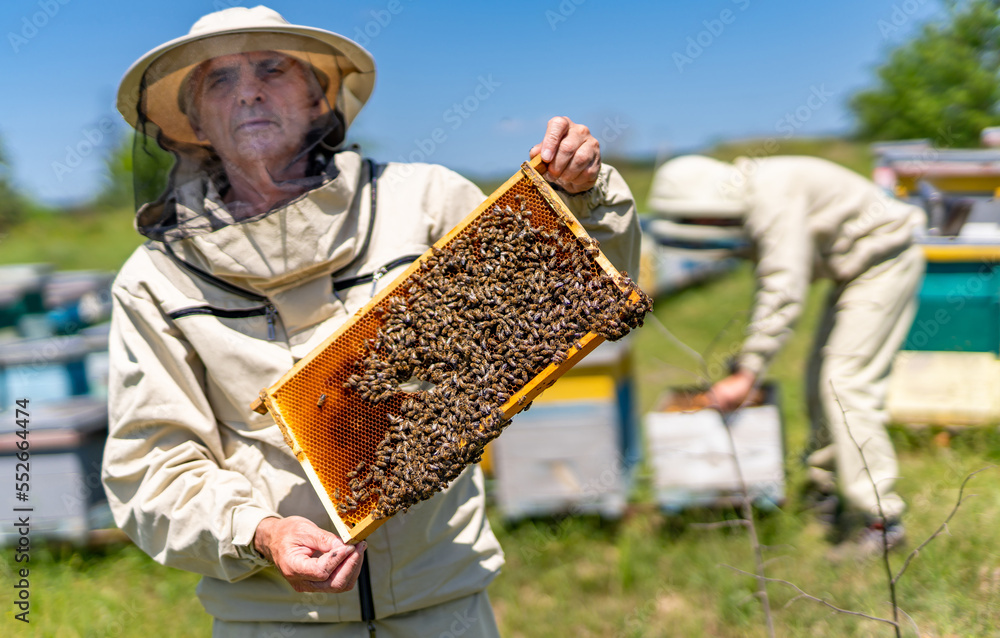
{"x":648,"y":574}
{"x":72,"y":240}
{"x":652,"y":575}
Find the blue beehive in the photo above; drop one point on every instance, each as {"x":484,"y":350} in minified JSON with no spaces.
{"x":959,"y":307}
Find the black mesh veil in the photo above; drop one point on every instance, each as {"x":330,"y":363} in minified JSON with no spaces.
{"x":233,"y":128}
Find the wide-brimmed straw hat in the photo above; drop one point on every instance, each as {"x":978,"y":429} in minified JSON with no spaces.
{"x":699,"y":204}
{"x":154,"y":82}
{"x":697,"y":186}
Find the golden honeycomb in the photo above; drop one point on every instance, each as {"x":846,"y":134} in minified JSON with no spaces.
{"x":332,"y":429}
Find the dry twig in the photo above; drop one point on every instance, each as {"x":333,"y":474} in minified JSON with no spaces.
{"x":943,"y":526}
{"x":746,"y":503}
{"x":738,"y":522}
{"x":808,"y":596}
{"x":881,"y":513}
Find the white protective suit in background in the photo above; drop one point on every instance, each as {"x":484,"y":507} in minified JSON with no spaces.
{"x":808,"y":219}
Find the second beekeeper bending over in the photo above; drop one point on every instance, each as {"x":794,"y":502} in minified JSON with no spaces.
{"x":805,"y":219}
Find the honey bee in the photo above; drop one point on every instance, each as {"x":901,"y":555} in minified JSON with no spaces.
{"x":321,"y":401}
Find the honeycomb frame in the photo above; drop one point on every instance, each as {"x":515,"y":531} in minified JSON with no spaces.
{"x":319,"y":418}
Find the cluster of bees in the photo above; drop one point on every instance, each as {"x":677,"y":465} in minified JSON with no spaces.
{"x":480,"y":318}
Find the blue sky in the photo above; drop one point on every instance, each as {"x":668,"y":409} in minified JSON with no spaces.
{"x":648,"y":78}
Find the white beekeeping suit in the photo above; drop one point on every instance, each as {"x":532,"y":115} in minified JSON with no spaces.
{"x":264,"y":238}
{"x":808,"y":218}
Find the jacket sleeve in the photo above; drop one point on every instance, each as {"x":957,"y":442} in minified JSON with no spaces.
{"x":778,"y":225}
{"x":607,"y":212}
{"x":162,"y":470}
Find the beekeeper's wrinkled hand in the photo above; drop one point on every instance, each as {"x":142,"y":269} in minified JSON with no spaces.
{"x":311,"y":559}
{"x":572,"y":154}
{"x":731,"y":392}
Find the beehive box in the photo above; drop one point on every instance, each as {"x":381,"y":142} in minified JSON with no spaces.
{"x":566,"y":455}
{"x":67,"y":499}
{"x":343,"y":409}
{"x":693,"y":456}
{"x":959,"y":307}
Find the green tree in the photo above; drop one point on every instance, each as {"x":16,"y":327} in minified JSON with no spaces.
{"x":119,"y":187}
{"x":11,"y":203}
{"x":943,"y":85}
{"x":117,"y":190}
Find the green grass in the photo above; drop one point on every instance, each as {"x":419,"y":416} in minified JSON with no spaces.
{"x":100,"y":240}
{"x":652,"y":575}
{"x":648,"y":574}
{"x":117,"y":591}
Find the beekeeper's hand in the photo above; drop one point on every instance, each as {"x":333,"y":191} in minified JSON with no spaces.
{"x":572,"y":154}
{"x":311,"y":559}
{"x":732,"y":392}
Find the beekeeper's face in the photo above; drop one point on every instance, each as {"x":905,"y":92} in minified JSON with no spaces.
{"x":255,"y":106}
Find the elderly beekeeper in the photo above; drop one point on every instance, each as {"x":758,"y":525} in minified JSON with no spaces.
{"x":806,"y":218}
{"x":265,"y":235}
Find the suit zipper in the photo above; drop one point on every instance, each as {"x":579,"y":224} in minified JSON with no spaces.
{"x":343,"y":284}
{"x":271,"y":313}
{"x":268,"y":310}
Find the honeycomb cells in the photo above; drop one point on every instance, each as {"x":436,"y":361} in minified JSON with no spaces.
{"x":377,"y":449}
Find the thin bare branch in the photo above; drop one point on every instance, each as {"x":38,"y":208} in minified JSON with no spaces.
{"x":717,"y":339}
{"x":804,"y":594}
{"x":776,"y":547}
{"x":881,"y":513}
{"x":774,"y":559}
{"x":792,"y":600}
{"x":651,"y":317}
{"x":739,"y":522}
{"x":913,"y":623}
{"x":747,"y":507}
{"x":944,"y":526}
{"x":674,"y":366}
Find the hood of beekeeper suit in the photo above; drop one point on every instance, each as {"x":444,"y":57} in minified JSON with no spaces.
{"x":700,"y":203}
{"x":244,"y":93}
